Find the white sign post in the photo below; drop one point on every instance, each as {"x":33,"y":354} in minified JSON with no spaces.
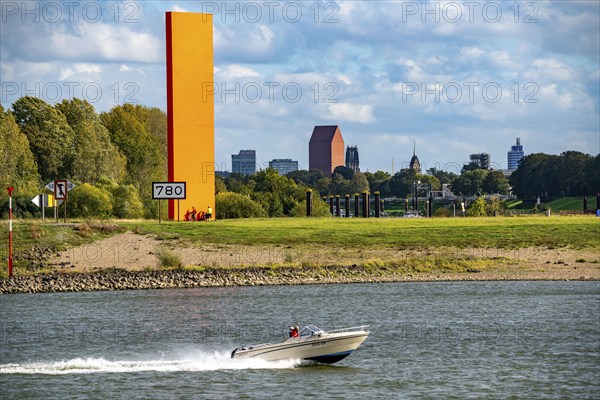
{"x":168,"y":191}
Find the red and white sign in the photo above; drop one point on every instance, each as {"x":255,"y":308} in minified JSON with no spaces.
{"x":60,"y":189}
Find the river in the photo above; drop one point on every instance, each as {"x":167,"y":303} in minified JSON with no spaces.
{"x":428,"y":340}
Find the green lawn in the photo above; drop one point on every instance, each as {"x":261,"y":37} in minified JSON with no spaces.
{"x":572,"y":203}
{"x":517,"y":232}
{"x":561,"y":204}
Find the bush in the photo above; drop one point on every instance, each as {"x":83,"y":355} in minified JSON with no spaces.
{"x":126,"y":202}
{"x":168,"y":259}
{"x":441,"y":212}
{"x":88,"y":201}
{"x":234,"y":205}
{"x":320,"y":208}
{"x":477,"y":208}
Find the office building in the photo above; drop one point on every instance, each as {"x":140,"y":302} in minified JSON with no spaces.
{"x":484,"y":160}
{"x":283,"y":165}
{"x":352,"y":161}
{"x":244,"y":163}
{"x":515,"y":155}
{"x":326,"y":149}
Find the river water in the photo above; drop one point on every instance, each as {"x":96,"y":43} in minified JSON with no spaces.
{"x":428,"y":340}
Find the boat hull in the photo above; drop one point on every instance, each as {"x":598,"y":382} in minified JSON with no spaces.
{"x":325,"y":348}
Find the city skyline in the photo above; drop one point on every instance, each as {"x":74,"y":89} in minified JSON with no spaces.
{"x":456,"y":78}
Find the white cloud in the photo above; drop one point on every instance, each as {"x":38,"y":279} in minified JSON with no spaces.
{"x":360,"y":113}
{"x":102,"y":41}
{"x":503,"y":60}
{"x":549,"y":68}
{"x":345,"y":79}
{"x":550,"y":94}
{"x":178,"y":8}
{"x":79,"y":69}
{"x":471,"y":52}
{"x":234,"y":71}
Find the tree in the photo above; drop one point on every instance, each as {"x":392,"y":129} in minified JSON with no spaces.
{"x":591,"y":171}
{"x":323,"y":186}
{"x":443,"y":176}
{"x":88,"y":201}
{"x":470,"y":183}
{"x":126,"y":203}
{"x":472,"y":166}
{"x":403,"y":182}
{"x":528,"y":180}
{"x":234,"y":205}
{"x":572,"y":176}
{"x":551,"y":176}
{"x":306,"y":178}
{"x":17,"y":165}
{"x":494,"y":205}
{"x":495,"y":182}
{"x":51,"y":139}
{"x":432,"y":180}
{"x":379,"y":182}
{"x":129,"y":130}
{"x":238,"y":183}
{"x":95,"y":155}
{"x":358,"y":183}
{"x":220,"y":186}
{"x":344,"y":171}
{"x":276,"y":193}
{"x":477,"y":208}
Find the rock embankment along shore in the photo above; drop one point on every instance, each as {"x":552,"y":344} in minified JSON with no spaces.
{"x":116,"y":279}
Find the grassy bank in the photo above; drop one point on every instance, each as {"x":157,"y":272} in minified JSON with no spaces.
{"x":382,"y":246}
{"x":511,"y":233}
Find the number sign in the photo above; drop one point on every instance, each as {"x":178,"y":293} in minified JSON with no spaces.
{"x":168,"y":190}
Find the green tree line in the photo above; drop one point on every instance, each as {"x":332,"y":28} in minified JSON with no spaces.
{"x":113,"y":157}
{"x":571,"y":173}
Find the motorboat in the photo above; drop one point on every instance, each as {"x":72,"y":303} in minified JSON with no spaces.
{"x":310,"y":343}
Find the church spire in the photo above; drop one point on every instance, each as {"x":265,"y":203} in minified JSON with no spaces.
{"x":414,"y":161}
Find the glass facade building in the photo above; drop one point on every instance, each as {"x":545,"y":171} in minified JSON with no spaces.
{"x":515,"y":155}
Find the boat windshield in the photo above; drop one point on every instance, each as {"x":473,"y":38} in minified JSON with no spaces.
{"x":310,"y":330}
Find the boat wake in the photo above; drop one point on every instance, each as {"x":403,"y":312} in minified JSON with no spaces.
{"x":199,"y":362}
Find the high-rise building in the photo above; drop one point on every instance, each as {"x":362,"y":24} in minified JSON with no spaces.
{"x":326,"y":149}
{"x":244,"y":163}
{"x":284,"y":165}
{"x":352,"y":161}
{"x":484,"y":160}
{"x":515,"y":155}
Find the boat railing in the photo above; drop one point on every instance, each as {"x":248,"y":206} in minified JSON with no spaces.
{"x":361,"y":328}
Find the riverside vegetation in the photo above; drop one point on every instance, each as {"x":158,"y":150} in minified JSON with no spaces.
{"x":300,"y":250}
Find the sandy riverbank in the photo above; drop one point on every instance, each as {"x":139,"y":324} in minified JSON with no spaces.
{"x":129,"y":261}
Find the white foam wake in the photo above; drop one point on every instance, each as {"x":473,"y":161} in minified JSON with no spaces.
{"x":199,"y":362}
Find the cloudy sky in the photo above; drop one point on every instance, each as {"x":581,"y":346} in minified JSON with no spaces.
{"x":455,"y":77}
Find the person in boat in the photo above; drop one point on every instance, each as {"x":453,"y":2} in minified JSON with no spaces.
{"x":294,"y":332}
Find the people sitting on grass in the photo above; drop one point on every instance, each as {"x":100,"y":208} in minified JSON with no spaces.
{"x":196,"y":215}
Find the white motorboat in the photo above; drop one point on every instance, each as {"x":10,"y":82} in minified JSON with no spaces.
{"x":311,"y":343}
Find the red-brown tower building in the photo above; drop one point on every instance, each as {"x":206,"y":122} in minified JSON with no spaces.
{"x":326,"y":149}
